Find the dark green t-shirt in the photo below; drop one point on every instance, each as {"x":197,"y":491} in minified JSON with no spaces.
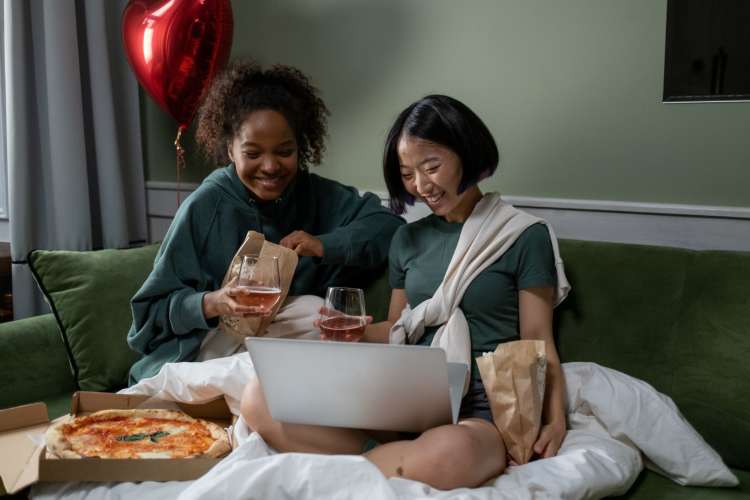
{"x":419,"y":257}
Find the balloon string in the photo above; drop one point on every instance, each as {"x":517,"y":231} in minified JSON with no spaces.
{"x":180,"y":153}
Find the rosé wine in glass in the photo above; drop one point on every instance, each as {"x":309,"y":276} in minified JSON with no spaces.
{"x":342,"y":318}
{"x":261,"y":283}
{"x":263,"y":298}
{"x":342,"y":328}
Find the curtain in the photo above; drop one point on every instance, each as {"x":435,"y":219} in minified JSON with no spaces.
{"x":72,"y":134}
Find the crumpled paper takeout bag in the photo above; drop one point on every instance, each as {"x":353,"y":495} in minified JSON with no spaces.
{"x":255,"y":244}
{"x":513,"y":377}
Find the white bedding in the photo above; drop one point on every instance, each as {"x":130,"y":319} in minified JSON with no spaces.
{"x":601,"y":454}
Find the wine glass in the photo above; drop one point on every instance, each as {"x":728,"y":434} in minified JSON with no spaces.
{"x":343,"y":316}
{"x":260,"y":279}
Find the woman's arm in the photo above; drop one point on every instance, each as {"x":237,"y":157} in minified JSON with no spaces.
{"x":379,"y":332}
{"x":169,"y":303}
{"x":535,"y":318}
{"x":356,"y":230}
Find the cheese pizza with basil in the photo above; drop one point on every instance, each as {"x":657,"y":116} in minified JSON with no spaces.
{"x":138,"y":433}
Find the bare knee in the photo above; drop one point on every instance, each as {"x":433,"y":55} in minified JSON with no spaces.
{"x":456,"y":456}
{"x":451,"y":455}
{"x":254,"y":409}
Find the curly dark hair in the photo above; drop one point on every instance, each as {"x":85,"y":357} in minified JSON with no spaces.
{"x":244,"y":87}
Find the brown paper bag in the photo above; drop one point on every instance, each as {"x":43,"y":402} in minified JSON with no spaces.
{"x":513,"y":377}
{"x":255,"y":244}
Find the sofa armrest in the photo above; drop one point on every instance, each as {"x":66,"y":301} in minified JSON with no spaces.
{"x":34,"y":363}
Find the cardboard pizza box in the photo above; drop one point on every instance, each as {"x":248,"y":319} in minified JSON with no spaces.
{"x":23,"y":460}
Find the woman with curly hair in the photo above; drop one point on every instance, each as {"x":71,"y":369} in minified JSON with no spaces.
{"x":268,"y":125}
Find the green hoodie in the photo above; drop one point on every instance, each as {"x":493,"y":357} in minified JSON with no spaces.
{"x":168,"y":322}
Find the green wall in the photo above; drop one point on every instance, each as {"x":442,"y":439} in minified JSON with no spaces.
{"x":571,"y":90}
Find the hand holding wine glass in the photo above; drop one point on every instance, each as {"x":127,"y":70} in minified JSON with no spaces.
{"x":258,"y":284}
{"x":343,"y":317}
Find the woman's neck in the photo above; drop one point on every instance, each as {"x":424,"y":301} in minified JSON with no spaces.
{"x":462,"y":211}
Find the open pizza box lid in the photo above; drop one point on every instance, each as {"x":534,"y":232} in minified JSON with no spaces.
{"x":23,"y":461}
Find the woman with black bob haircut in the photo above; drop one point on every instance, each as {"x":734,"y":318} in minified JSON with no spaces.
{"x":475,"y":273}
{"x":264,"y":126}
{"x":442,"y":120}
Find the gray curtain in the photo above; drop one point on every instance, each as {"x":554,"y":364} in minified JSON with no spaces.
{"x":72,"y":134}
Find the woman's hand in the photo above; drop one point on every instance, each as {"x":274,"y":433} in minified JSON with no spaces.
{"x":550,"y":439}
{"x":224,"y":302}
{"x":306,"y":245}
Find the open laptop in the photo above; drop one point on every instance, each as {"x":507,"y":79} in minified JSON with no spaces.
{"x":357,"y":385}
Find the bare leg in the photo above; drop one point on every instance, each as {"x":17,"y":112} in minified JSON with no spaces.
{"x":446,"y":457}
{"x":296,"y":437}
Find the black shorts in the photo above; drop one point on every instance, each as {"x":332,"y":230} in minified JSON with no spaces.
{"x":475,"y":403}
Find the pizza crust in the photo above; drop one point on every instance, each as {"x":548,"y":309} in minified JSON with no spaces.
{"x":220,"y":446}
{"x":59,"y":446}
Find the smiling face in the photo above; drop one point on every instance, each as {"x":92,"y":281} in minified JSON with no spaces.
{"x":264,"y":152}
{"x":432,"y":173}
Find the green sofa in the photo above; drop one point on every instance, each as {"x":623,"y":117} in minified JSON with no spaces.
{"x":678,"y":319}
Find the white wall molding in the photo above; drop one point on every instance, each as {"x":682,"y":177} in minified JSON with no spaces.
{"x":688,"y":226}
{"x":631,"y":207}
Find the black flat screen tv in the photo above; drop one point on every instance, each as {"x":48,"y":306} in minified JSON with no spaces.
{"x":707,"y":56}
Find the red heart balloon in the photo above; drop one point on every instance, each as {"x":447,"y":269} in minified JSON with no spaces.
{"x":175,"y":48}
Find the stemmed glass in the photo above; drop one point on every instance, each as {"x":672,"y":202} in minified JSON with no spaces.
{"x":343,"y":316}
{"x":261,"y":282}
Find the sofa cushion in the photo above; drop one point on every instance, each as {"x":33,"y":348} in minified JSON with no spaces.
{"x":89,"y":294}
{"x":623,"y":307}
{"x":712,"y":377}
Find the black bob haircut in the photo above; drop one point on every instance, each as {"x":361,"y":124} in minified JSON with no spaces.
{"x":450,"y":123}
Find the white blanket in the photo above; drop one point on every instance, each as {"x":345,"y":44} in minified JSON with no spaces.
{"x":598,"y":458}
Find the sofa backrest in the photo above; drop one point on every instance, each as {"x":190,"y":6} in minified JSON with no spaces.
{"x":378,"y":297}
{"x":678,"y":319}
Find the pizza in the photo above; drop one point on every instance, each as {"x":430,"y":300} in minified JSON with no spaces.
{"x":138,"y":433}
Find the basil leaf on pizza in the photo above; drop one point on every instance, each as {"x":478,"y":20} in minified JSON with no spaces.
{"x":132,"y":437}
{"x":156,"y":435}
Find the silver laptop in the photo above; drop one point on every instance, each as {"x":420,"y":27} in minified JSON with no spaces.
{"x":357,"y":385}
